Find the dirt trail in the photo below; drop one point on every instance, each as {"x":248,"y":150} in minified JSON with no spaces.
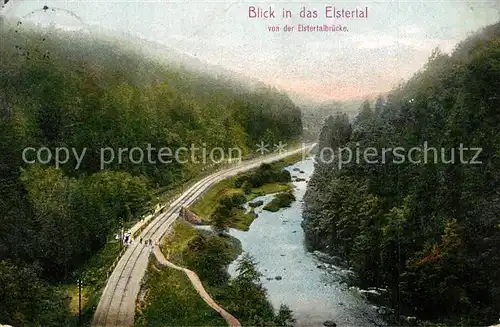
{"x":230,"y":319}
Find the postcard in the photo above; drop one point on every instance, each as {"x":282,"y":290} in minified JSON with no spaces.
{"x":249,"y":163}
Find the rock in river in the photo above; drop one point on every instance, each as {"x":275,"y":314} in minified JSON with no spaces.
{"x":329,"y":323}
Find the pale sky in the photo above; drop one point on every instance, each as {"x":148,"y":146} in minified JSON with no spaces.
{"x":374,"y":55}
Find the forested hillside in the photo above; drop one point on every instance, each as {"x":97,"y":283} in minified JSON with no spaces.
{"x":427,"y":231}
{"x":62,"y":89}
{"x":313,"y":115}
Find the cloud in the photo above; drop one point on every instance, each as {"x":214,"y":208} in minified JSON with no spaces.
{"x":427,"y":44}
{"x":382,"y":41}
{"x":334,"y":89}
{"x":423,"y":43}
{"x":411,"y":29}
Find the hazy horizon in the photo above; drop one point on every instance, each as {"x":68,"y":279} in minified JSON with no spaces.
{"x":375,"y":54}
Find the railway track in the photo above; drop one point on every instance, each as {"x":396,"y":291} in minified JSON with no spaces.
{"x":117,"y":304}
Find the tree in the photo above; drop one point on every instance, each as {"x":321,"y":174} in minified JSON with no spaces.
{"x":249,"y":302}
{"x":427,"y":232}
{"x":379,"y":105}
{"x":247,"y":271}
{"x":221,"y":219}
{"x":26,"y":299}
{"x":209,"y":256}
{"x":66,"y":90}
{"x":285,"y":317}
{"x":365,"y":113}
{"x":246,"y":187}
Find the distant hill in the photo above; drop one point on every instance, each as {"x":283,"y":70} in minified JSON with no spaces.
{"x":314,"y":114}
{"x":175,"y":58}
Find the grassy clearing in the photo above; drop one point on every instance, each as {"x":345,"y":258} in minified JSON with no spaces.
{"x":242,"y":220}
{"x":207,"y":204}
{"x":290,"y":160}
{"x":269,"y":189}
{"x":72,"y":291}
{"x":177,"y":241}
{"x":171,"y":300}
{"x":94,"y":275}
{"x":175,"y":245}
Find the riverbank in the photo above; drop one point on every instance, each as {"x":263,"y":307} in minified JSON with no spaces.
{"x":316,"y":291}
{"x":209,"y":255}
{"x":168,"y":297}
{"x":267,"y":179}
{"x":162,"y":263}
{"x":95,"y":272}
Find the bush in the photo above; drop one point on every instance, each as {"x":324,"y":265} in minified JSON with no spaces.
{"x":233,"y":201}
{"x":281,"y":200}
{"x":256,"y":204}
{"x":247,"y":188}
{"x":238,"y":182}
{"x":265,"y":174}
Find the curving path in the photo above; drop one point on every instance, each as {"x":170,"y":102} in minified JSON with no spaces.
{"x":230,"y":319}
{"x":118,"y":301}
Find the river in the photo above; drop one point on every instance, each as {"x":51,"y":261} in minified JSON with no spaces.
{"x":315,"y":294}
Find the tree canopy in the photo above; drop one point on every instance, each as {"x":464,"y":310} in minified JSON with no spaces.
{"x":428,"y":230}
{"x":83,"y":93}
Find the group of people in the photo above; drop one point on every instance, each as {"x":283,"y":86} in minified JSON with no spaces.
{"x":127,"y":240}
{"x":146,"y":242}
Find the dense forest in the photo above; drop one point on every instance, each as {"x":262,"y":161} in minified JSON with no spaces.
{"x":313,"y":115}
{"x":73,"y":90}
{"x":427,"y":231}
